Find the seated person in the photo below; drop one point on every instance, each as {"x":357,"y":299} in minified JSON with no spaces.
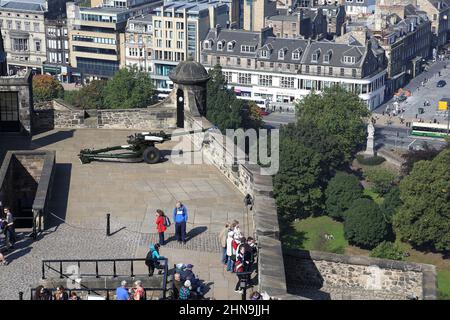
{"x":177,"y":284}
{"x":151,"y":260}
{"x":188,"y":274}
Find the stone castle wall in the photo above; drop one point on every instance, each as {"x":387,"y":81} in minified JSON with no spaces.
{"x":322,"y":275}
{"x":145,"y":119}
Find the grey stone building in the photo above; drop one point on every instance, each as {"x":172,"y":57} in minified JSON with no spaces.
{"x":268,"y":69}
{"x":438,"y":12}
{"x":57,"y":41}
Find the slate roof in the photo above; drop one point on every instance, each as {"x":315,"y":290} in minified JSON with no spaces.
{"x":23,"y":6}
{"x":273,"y":45}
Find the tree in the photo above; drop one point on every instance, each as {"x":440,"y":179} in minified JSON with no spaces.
{"x":339,"y":113}
{"x":298,"y":183}
{"x":424,"y":218}
{"x":224,"y":109}
{"x":391,"y":204}
{"x":380,"y":179}
{"x":427,"y":153}
{"x":129,"y":88}
{"x":388,"y":250}
{"x":364,"y":224}
{"x":340,"y":193}
{"x":46,"y":88}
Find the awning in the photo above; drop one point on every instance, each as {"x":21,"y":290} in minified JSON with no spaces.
{"x":54,"y":69}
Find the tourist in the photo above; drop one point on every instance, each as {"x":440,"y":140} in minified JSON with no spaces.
{"x":188,"y":274}
{"x":9,"y":230}
{"x":161,"y":225}
{"x":3,"y":261}
{"x":152,"y":259}
{"x":122,"y":291}
{"x":41,"y":293}
{"x":236,"y":228}
{"x":61,"y":294}
{"x":230,"y":258}
{"x":138,"y":292}
{"x":74,"y":296}
{"x":177,"y":284}
{"x":223,"y":242}
{"x":180,"y":216}
{"x":185,"y":291}
{"x":239,"y":268}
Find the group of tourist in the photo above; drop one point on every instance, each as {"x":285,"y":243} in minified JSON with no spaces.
{"x":238,"y":253}
{"x":186,"y":285}
{"x":7,"y":229}
{"x":137,"y":292}
{"x":42,"y":293}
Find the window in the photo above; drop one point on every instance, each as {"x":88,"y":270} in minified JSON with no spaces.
{"x":342,"y":71}
{"x":326,"y":58}
{"x":220,"y":45}
{"x":319,"y":70}
{"x":27,"y":26}
{"x":265,"y":80}
{"x":354,"y":73}
{"x":131,"y":26}
{"x":315,"y":56}
{"x":296,"y":55}
{"x":238,"y":61}
{"x":249,"y":62}
{"x":306,"y":69}
{"x":287,"y":82}
{"x":245,"y":78}
{"x":281,"y":53}
{"x":18,"y":25}
{"x":245,"y":48}
{"x":168,"y":24}
{"x":36,"y":27}
{"x":37,"y":45}
{"x":9,"y":24}
{"x":230,"y":46}
{"x":206,"y":44}
{"x":20,"y":44}
{"x":180,"y":25}
{"x":330,"y":71}
{"x":264,"y":54}
{"x":349,"y":59}
{"x":228,"y":76}
{"x":179,"y":44}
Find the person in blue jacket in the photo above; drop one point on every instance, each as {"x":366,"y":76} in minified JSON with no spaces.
{"x":180,"y":216}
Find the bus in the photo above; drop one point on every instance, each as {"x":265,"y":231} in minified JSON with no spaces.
{"x":429,"y":130}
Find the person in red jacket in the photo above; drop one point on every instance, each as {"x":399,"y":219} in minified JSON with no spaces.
{"x":160,"y":225}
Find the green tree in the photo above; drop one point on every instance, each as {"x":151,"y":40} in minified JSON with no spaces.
{"x":339,"y":113}
{"x":129,"y":88}
{"x":424,"y":218}
{"x":298,"y":183}
{"x":251,"y":117}
{"x":427,"y":152}
{"x":46,"y":88}
{"x":388,"y":250}
{"x":381,"y":180}
{"x":340,"y":193}
{"x":364,"y":224}
{"x":391,"y":203}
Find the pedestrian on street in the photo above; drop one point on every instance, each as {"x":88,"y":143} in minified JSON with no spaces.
{"x":122,"y":291}
{"x":180,"y":216}
{"x":223,"y":242}
{"x":9,"y":229}
{"x":231,"y":254}
{"x":138,"y":292}
{"x":161,"y":225}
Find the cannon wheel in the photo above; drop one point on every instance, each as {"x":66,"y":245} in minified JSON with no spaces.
{"x":152,"y":155}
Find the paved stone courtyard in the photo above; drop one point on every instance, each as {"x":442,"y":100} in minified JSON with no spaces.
{"x":130,"y":192}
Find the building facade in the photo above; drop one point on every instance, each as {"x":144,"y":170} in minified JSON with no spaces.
{"x":157,"y":42}
{"x":405,"y":34}
{"x":267,"y":69}
{"x":359,"y":7}
{"x":23,"y":30}
{"x":57,"y":43}
{"x":255,"y":12}
{"x":438,"y":12}
{"x":95,"y":36}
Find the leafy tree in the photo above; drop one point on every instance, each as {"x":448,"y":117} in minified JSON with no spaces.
{"x":427,"y":153}
{"x":388,"y":250}
{"x":364,"y":224}
{"x":298,"y":183}
{"x":46,"y":88}
{"x":339,"y":113}
{"x":380,"y":179}
{"x":129,"y":88}
{"x":391,"y":204}
{"x":340,"y":193}
{"x":424,"y":218}
{"x":224,"y":109}
{"x":88,"y":97}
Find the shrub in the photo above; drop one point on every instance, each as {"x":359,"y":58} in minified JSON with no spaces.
{"x":371,"y":161}
{"x":340,"y":193}
{"x":380,"y":179}
{"x":388,"y":250}
{"x":46,"y":88}
{"x":364,"y":224}
{"x":391,"y":203}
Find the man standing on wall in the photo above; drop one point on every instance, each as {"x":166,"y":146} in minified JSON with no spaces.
{"x":180,"y":216}
{"x":9,"y":230}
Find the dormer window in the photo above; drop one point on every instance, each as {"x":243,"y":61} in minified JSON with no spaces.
{"x":207,"y":44}
{"x":315,"y":56}
{"x":250,"y":49}
{"x":349,"y":59}
{"x":131,"y":26}
{"x":264,"y":53}
{"x":230,"y":46}
{"x":296,"y":55}
{"x":281,"y":54}
{"x":220,"y":45}
{"x":327,"y":57}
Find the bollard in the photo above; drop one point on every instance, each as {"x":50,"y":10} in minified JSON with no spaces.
{"x":21,"y":295}
{"x":108,"y":225}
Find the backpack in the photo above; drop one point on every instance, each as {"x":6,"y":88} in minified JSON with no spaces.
{"x":149,"y":261}
{"x":167,"y":222}
{"x":184,"y":293}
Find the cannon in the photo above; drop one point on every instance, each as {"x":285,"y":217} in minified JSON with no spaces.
{"x":140,"y":146}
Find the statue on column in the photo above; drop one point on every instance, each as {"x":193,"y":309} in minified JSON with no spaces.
{"x":370,"y":147}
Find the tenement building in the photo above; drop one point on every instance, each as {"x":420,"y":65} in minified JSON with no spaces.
{"x":438,"y":12}
{"x":359,"y":7}
{"x":405,"y":34}
{"x":95,"y":34}
{"x":57,"y":43}
{"x":157,"y":42}
{"x":264,"y":68}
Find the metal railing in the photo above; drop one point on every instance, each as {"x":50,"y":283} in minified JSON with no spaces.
{"x":47,"y":264}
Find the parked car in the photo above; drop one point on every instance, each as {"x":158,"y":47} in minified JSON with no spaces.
{"x":263,"y":112}
{"x":441,"y":83}
{"x":401,"y":98}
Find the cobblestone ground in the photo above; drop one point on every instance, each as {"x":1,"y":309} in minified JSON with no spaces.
{"x":61,"y":242}
{"x":204,"y":242}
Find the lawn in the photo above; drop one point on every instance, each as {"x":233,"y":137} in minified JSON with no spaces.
{"x":375,"y":196}
{"x":444,"y":284}
{"x":310,"y":233}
